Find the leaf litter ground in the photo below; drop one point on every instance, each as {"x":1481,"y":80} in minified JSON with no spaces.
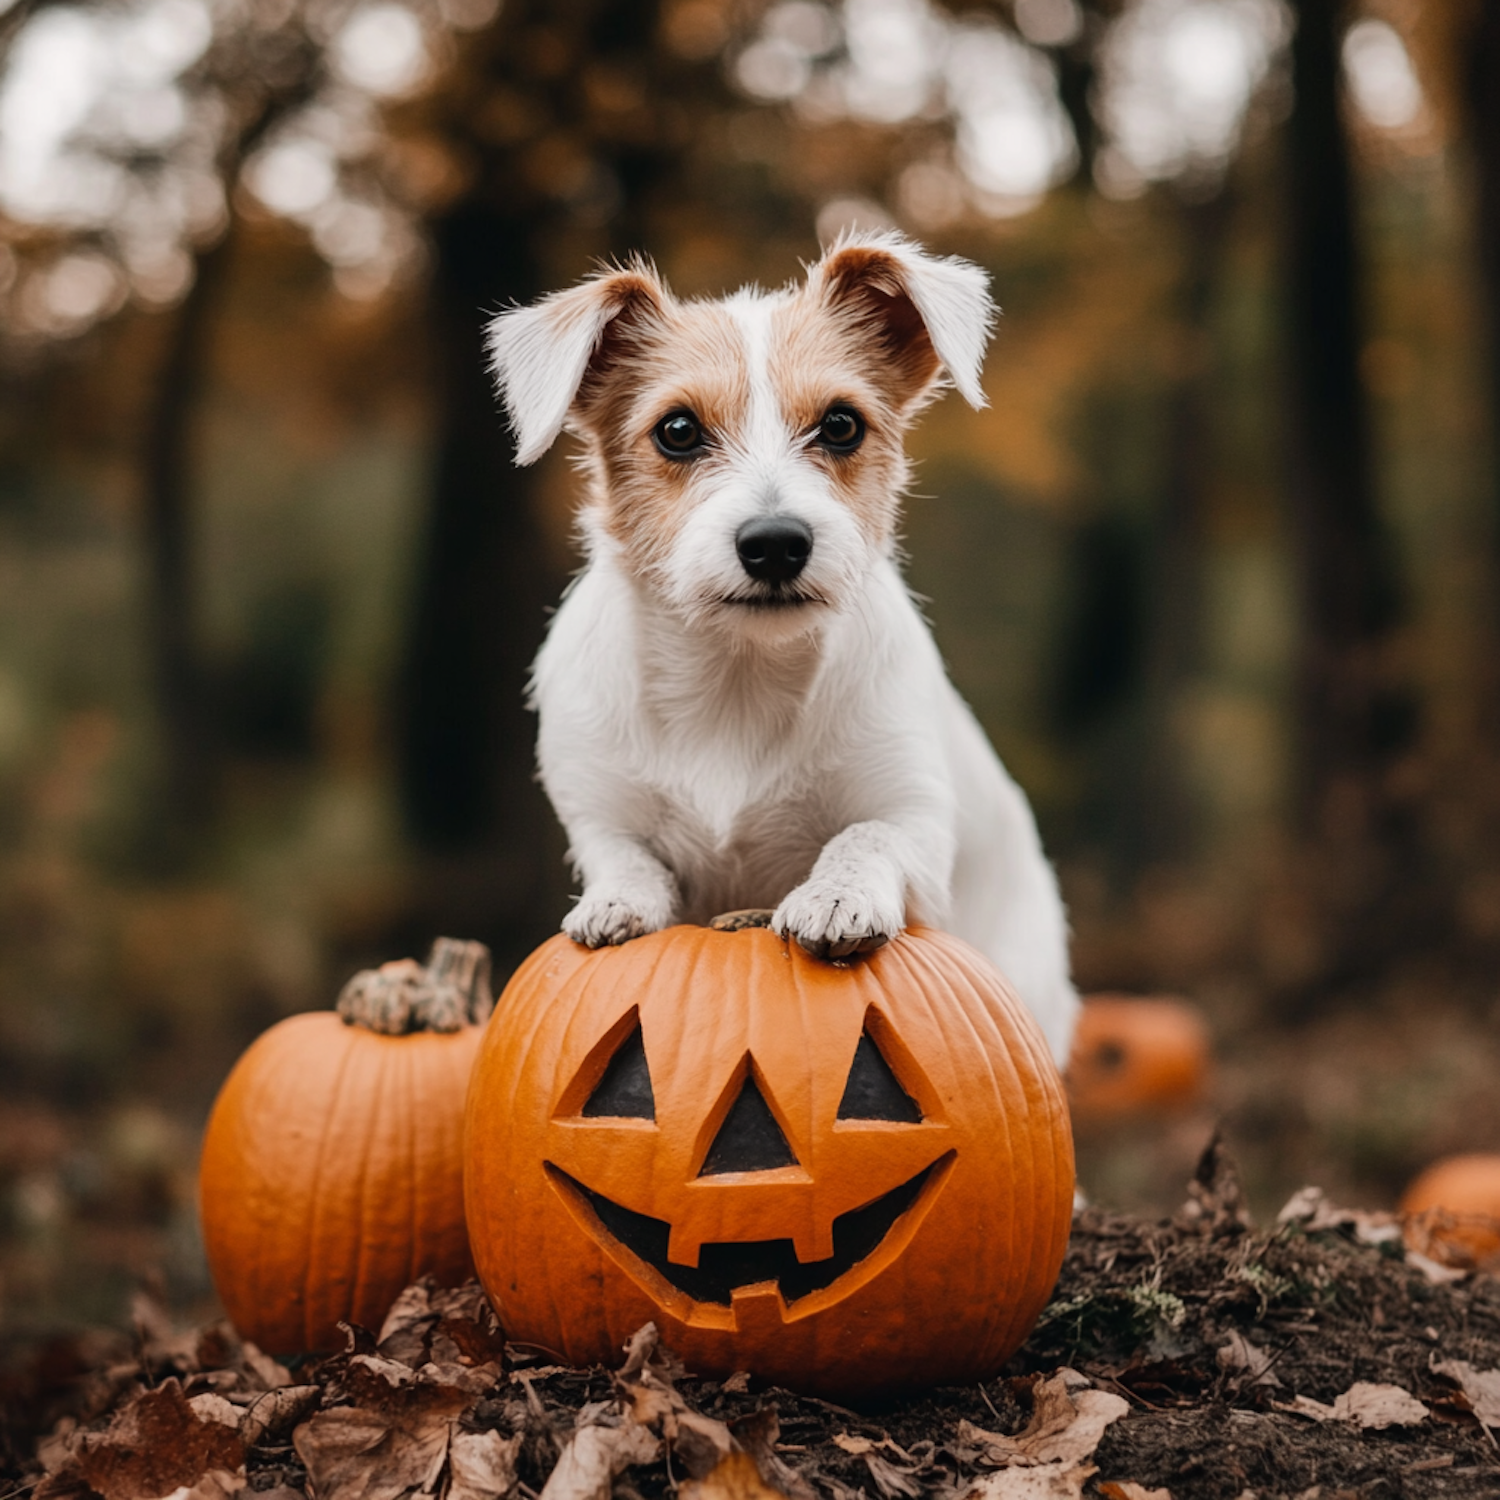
{"x":1190,"y":1357}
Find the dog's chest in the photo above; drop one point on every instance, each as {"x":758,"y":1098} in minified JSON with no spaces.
{"x":738,"y":821}
{"x":765,"y":851}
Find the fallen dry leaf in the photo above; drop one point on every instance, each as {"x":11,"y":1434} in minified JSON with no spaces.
{"x":594,"y":1457}
{"x":734,"y":1477}
{"x":1059,"y":1481}
{"x":481,"y":1465}
{"x":268,"y":1371}
{"x":1245,"y":1359}
{"x":1371,"y":1406}
{"x":274,"y":1413}
{"x":757,"y":1433}
{"x":1311,"y":1209}
{"x":1216,"y":1197}
{"x":646,"y":1386}
{"x":408,"y":1325}
{"x":1067,"y":1420}
{"x":1240,"y":1357}
{"x":1434,"y":1270}
{"x":701,"y":1443}
{"x":438,"y":1325}
{"x":354,"y":1454}
{"x":893,"y":1482}
{"x":156,"y":1444}
{"x":1379,"y":1406}
{"x":1126,"y":1489}
{"x":394,"y":1439}
{"x":211,"y":1408}
{"x":1481,"y":1388}
{"x":217,"y":1484}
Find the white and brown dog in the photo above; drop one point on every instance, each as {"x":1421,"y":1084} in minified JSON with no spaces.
{"x":740,"y":704}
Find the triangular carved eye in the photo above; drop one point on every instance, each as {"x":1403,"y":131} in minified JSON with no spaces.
{"x":625,"y":1090}
{"x":872,"y":1092}
{"x":749,"y":1140}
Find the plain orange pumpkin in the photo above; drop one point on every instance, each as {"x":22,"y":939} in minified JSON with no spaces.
{"x":1136,"y":1056}
{"x":332,"y":1174}
{"x":1452,"y":1210}
{"x":848,"y":1179}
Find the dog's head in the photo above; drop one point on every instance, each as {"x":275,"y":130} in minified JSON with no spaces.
{"x":746,"y":453}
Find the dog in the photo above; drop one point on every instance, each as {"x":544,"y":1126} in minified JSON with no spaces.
{"x":739,"y":703}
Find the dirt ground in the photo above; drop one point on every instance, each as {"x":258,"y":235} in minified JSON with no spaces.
{"x":1191,"y":1356}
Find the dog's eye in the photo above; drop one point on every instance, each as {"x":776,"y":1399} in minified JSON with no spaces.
{"x":678,"y":435}
{"x":842,"y":429}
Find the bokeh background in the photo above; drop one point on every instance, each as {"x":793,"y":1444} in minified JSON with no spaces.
{"x":1216,"y":567}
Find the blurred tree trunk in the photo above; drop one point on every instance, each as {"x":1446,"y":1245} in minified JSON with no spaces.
{"x":1173,"y":823}
{"x":189,"y":770}
{"x":1480,"y":68}
{"x":187,"y":761}
{"x":1348,"y":597}
{"x":1077,"y":75}
{"x":467,"y":763}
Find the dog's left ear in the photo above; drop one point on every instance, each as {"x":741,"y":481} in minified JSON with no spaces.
{"x":931,"y":313}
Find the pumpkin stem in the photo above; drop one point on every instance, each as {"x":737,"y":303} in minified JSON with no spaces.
{"x":737,"y":921}
{"x":452,"y":991}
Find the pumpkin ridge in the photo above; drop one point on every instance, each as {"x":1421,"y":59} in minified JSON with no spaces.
{"x":416,"y":1250}
{"x":776,"y":954}
{"x":691,"y":961}
{"x":807,"y":1001}
{"x":1044,"y":1090}
{"x":1007,"y":1078}
{"x":367,"y":1204}
{"x":312,"y":1273}
{"x":939,"y":992}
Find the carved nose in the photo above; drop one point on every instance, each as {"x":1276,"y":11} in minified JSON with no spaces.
{"x":773,"y":549}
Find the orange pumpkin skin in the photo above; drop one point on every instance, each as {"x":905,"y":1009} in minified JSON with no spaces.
{"x":1136,"y":1056}
{"x":1458,"y":1201}
{"x":950,"y":1288}
{"x":332,"y":1177}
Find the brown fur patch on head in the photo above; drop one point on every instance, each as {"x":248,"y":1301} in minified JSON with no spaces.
{"x":680,"y":356}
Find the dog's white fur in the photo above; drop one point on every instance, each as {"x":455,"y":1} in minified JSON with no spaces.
{"x":712,"y":743}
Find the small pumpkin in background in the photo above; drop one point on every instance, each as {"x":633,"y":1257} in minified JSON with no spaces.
{"x":845,"y":1178}
{"x":332,"y":1167}
{"x":1451,"y":1211}
{"x":1136,"y":1055}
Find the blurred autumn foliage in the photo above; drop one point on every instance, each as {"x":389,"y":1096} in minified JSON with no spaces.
{"x":1216,"y":567}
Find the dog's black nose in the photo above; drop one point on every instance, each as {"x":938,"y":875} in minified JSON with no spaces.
{"x":773,"y":549}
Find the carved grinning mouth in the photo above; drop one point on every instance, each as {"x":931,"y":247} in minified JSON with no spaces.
{"x":724,"y":1266}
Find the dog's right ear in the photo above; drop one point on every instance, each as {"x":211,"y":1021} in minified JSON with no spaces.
{"x":541,"y":355}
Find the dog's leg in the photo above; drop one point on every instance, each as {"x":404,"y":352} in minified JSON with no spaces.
{"x":627,"y":891}
{"x":855,"y":898}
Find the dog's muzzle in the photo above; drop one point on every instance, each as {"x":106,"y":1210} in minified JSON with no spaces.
{"x":773,"y":549}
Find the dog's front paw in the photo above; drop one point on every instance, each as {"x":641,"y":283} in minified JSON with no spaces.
{"x":604,"y":920}
{"x":833,"y":920}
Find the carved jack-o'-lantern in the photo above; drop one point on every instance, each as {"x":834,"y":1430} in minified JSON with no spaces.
{"x":843,"y":1179}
